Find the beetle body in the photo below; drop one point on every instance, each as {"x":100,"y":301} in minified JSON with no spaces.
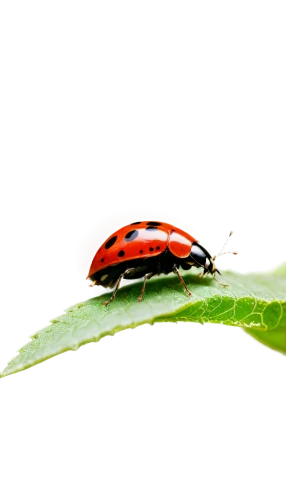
{"x":146,"y":249}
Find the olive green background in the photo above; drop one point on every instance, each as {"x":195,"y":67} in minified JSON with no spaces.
{"x":153,"y":107}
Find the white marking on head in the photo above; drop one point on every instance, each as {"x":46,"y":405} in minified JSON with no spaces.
{"x":207,"y":263}
{"x":103,"y":277}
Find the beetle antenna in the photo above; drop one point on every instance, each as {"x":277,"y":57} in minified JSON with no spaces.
{"x":222,"y":251}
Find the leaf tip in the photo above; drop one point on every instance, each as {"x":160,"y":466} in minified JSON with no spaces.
{"x":4,"y":372}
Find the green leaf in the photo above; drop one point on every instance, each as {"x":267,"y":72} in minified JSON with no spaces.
{"x":255,"y":302}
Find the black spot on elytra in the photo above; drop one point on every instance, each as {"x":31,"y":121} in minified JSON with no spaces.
{"x":153,"y":223}
{"x":131,"y":235}
{"x":110,"y":242}
{"x":121,"y":253}
{"x":102,"y":260}
{"x":151,"y":228}
{"x":133,"y":223}
{"x":151,"y":249}
{"x":141,"y":251}
{"x":158,"y":248}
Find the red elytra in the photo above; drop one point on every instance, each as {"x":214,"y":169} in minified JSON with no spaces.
{"x":145,"y":249}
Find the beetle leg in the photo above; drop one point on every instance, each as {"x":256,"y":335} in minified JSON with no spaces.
{"x":92,"y":284}
{"x":177,"y":272}
{"x":128,"y":271}
{"x":146,"y":277}
{"x":203,"y":274}
{"x":115,"y":290}
{"x":221,"y":284}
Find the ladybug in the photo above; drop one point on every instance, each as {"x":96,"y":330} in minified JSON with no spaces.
{"x":146,"y":249}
